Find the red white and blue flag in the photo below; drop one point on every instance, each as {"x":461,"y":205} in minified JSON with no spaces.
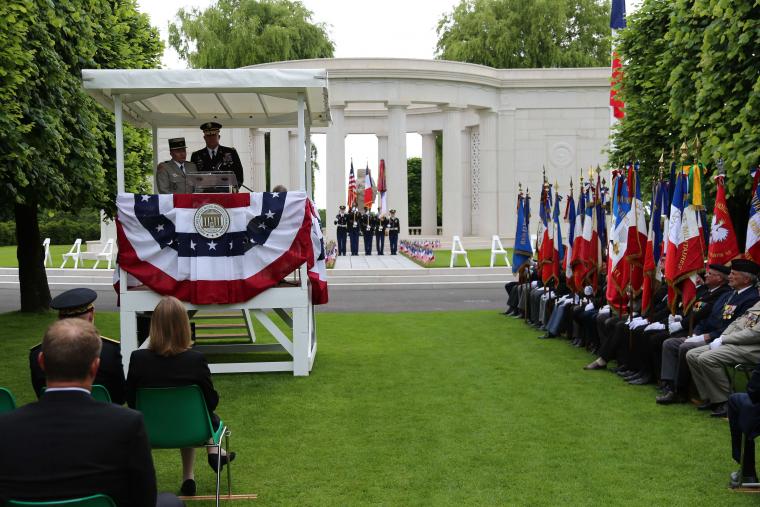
{"x":269,"y":236}
{"x":351,"y":188}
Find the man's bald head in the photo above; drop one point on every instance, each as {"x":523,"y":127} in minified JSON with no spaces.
{"x":69,"y":348}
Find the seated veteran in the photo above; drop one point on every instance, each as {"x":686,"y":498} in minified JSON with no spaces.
{"x":744,"y":420}
{"x":78,"y":303}
{"x":171,"y":176}
{"x":68,"y":445}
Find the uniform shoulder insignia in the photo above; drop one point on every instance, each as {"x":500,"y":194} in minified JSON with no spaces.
{"x":107,"y":339}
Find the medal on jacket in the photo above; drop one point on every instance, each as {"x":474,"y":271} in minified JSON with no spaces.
{"x":728,"y":311}
{"x":752,"y":319}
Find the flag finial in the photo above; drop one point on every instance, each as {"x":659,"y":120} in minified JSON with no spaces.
{"x":697,"y":146}
{"x":684,"y":152}
{"x":519,"y":187}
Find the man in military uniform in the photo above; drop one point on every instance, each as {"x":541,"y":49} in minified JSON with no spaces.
{"x":393,"y":228}
{"x":367,"y":228}
{"x":738,"y":343}
{"x":341,"y":220}
{"x":354,"y":224}
{"x":215,"y":157}
{"x":381,"y":225}
{"x":171,"y":176}
{"x":744,"y":420}
{"x":77,"y":303}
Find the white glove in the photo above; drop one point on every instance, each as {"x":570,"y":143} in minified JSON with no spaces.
{"x":533,"y":284}
{"x":589,"y":307}
{"x":716,"y":343}
{"x":695,"y":339}
{"x":674,"y":318}
{"x":674,"y":327}
{"x":655,"y":326}
{"x":605,"y":310}
{"x":588,"y":290}
{"x":639,"y":323}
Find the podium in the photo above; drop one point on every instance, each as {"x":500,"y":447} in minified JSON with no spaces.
{"x":223,"y":182}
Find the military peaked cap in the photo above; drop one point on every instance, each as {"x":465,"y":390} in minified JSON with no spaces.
{"x":74,"y":302}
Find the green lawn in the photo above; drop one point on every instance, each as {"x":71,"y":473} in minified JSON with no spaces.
{"x":455,"y":408}
{"x":479,"y":258}
{"x":8,"y":257}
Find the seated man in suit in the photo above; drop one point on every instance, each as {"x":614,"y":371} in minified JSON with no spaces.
{"x":67,"y":445}
{"x":744,"y":419}
{"x":78,"y":303}
{"x":171,"y":176}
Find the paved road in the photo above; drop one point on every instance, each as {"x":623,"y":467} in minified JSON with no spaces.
{"x":347,"y":299}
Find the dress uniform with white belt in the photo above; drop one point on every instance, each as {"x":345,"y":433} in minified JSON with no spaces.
{"x":341,"y":220}
{"x":393,"y":228}
{"x":367,"y":230}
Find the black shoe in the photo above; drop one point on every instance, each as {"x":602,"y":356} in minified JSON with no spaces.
{"x":641,"y":380}
{"x":670,"y":397}
{"x":225,"y":459}
{"x":620,"y":369}
{"x":188,"y":487}
{"x":721,"y":410}
{"x":547,"y":335}
{"x":631,"y":376}
{"x":737,"y":479}
{"x":625,"y":372}
{"x":706,"y":406}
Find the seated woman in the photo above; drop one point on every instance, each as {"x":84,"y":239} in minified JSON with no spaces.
{"x":169,"y":361}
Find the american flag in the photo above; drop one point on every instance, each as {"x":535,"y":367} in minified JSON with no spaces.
{"x":269,"y":236}
{"x":351,"y":187}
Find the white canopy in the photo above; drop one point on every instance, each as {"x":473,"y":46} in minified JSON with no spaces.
{"x":234,"y":97}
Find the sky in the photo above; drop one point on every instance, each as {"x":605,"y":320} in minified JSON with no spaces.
{"x":358,"y":28}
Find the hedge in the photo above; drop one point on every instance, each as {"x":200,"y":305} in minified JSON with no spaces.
{"x":62,"y":230}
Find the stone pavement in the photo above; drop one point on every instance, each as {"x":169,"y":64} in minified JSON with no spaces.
{"x":362,"y":261}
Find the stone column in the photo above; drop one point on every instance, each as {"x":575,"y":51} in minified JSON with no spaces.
{"x":487,"y":225}
{"x":279,"y":158}
{"x":453,"y":174}
{"x":429,"y":198}
{"x":506,"y":185}
{"x":335,"y":160}
{"x":382,"y":149}
{"x":395,"y":166}
{"x":257,"y":180}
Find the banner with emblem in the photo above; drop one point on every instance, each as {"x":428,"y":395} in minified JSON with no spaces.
{"x":219,"y":248}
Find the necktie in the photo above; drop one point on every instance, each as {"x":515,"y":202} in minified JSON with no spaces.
{"x":182,"y":168}
{"x":213,"y":154}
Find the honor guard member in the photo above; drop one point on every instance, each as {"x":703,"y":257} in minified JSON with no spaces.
{"x":381,"y":224}
{"x":77,"y":303}
{"x":341,"y":220}
{"x":171,"y":176}
{"x":215,"y":157}
{"x":354,"y":224}
{"x":367,"y":230}
{"x":393,"y":228}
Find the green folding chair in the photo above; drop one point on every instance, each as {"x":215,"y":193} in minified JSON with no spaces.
{"x":7,"y":400}
{"x":88,"y":501}
{"x":177,"y":417}
{"x":738,"y":376}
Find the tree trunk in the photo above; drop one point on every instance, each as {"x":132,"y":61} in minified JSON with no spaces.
{"x":33,"y":284}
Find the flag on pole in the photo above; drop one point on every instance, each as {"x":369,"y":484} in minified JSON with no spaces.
{"x":558,"y":249}
{"x":368,"y":184}
{"x":724,"y":246}
{"x":574,"y":228}
{"x":382,"y":188}
{"x":752,"y":250}
{"x":546,"y":249}
{"x":220,"y":248}
{"x":522,"y":251}
{"x":637,"y":231}
{"x":351,"y":187}
{"x":617,"y":266}
{"x":654,"y":243}
{"x":684,"y":257}
{"x":617,"y":22}
{"x":583,"y":220}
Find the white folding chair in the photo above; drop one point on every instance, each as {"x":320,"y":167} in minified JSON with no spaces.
{"x":48,"y":259}
{"x":498,"y":249}
{"x":105,"y":255}
{"x":73,"y":254}
{"x":457,"y":249}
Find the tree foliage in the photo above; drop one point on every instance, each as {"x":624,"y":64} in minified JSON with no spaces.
{"x":527,"y":34}
{"x":691,"y":70}
{"x":236,"y":33}
{"x":57,"y":148}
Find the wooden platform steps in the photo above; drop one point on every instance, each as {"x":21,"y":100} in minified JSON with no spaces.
{"x":208,"y":329}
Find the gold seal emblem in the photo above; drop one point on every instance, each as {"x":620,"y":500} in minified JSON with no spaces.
{"x":211,"y":221}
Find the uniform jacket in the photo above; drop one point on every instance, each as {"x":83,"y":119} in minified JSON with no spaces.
{"x":171,"y":180}
{"x":745,"y":330}
{"x":354,"y":220}
{"x":68,"y":445}
{"x":379,"y":224}
{"x":341,"y":220}
{"x":110,"y":372}
{"x":148,"y":369}
{"x":729,"y":307}
{"x":226,"y":159}
{"x":366,"y":223}
{"x":705,"y":302}
{"x":393,"y":225}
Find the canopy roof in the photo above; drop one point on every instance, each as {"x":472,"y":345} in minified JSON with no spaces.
{"x":233,"y":97}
